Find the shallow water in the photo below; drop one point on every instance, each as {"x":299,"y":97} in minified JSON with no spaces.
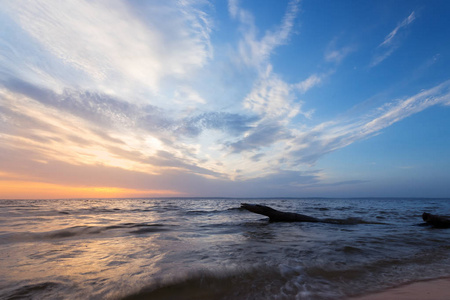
{"x":212,"y":249}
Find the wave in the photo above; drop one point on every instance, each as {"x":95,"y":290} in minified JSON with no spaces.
{"x":351,"y":221}
{"x":40,"y":290}
{"x":214,"y":211}
{"x":257,"y":283}
{"x":83,"y":231}
{"x":264,"y":282}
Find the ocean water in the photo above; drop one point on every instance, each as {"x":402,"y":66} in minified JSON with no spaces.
{"x":212,"y":249}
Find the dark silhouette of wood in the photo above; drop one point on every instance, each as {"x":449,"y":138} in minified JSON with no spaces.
{"x":436,"y":221}
{"x":276,"y":215}
{"x":281,"y":216}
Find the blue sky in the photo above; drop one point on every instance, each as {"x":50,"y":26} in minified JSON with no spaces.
{"x":224,"y":98}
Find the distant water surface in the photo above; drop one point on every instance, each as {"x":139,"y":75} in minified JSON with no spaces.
{"x":212,"y":249}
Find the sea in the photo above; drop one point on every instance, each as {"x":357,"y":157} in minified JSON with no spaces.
{"x":210,"y":248}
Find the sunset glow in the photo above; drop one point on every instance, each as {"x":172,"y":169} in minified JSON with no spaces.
{"x":39,"y":190}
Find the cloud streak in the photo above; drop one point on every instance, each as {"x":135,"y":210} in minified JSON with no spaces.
{"x":391,"y":43}
{"x":330,"y":136}
{"x":390,"y":37}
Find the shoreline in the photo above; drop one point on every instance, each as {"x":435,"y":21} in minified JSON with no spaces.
{"x":431,"y":289}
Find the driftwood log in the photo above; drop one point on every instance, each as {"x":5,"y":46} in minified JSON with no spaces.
{"x":281,"y":216}
{"x":276,"y":215}
{"x":436,"y":221}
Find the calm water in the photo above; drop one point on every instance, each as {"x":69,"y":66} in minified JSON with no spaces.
{"x":212,"y":249}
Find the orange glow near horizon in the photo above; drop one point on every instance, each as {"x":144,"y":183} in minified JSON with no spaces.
{"x":40,"y":190}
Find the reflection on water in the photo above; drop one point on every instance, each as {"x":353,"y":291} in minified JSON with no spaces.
{"x":210,"y":248}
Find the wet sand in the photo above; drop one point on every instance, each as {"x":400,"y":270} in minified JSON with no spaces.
{"x":437,"y":289}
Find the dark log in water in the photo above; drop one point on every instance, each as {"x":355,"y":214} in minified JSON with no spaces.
{"x":281,"y":216}
{"x":276,"y":215}
{"x":436,"y":221}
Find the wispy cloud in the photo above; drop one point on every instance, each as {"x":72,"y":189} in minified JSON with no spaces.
{"x":233,"y":8}
{"x":116,"y":49}
{"x":263,"y":135}
{"x":255,"y":51}
{"x":28,"y":124}
{"x":336,"y":54}
{"x":390,"y":43}
{"x":88,"y":128}
{"x":271,"y":97}
{"x":309,"y":83}
{"x":396,"y":111}
{"x":390,"y":37}
{"x":312,"y":144}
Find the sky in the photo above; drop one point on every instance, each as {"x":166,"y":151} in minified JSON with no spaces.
{"x":238,"y":98}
